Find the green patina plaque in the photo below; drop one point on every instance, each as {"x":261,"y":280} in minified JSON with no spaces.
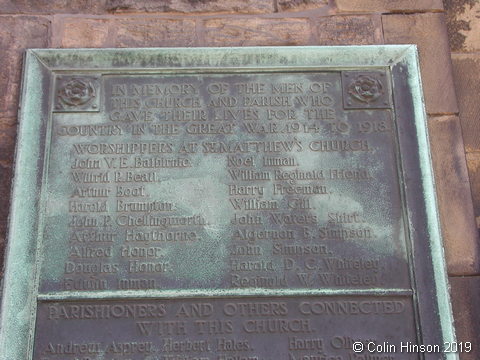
{"x":224,"y":204}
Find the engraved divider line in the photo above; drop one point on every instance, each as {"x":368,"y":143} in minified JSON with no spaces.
{"x":220,"y":70}
{"x":215,"y":293}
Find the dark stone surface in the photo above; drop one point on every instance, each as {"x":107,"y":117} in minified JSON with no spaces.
{"x":465,"y":299}
{"x":459,"y":230}
{"x":435,"y":62}
{"x":473,"y":164}
{"x":465,"y":70}
{"x":34,"y":30}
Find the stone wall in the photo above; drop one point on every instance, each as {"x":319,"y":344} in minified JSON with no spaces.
{"x":463,"y":24}
{"x":187,"y":23}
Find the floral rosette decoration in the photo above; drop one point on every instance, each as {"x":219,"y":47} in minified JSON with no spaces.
{"x":365,"y":89}
{"x":76,"y":92}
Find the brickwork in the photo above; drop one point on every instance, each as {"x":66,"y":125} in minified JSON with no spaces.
{"x":463,"y":24}
{"x":161,"y":23}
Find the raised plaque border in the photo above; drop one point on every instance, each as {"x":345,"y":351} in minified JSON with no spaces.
{"x":20,"y":295}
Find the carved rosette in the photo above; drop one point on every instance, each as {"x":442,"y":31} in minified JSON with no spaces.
{"x":365,"y":90}
{"x":76,"y":93}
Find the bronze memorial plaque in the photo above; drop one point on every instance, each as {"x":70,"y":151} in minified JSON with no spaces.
{"x":224,"y":204}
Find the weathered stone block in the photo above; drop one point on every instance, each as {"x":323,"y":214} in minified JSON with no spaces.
{"x":84,"y":33}
{"x":16,"y":34}
{"x":126,"y":32}
{"x":466,"y":69}
{"x":352,"y":30}
{"x":463,"y":24}
{"x":287,"y":5}
{"x":154,"y":32}
{"x":7,"y":148}
{"x":428,"y":31}
{"x":233,"y":6}
{"x":388,"y":5}
{"x":51,"y":6}
{"x":460,"y":234}
{"x":102,"y":6}
{"x":473,"y":164}
{"x":3,"y":241}
{"x":256,"y":31}
{"x":465,"y":299}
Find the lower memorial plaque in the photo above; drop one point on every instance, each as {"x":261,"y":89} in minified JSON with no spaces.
{"x":224,"y":204}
